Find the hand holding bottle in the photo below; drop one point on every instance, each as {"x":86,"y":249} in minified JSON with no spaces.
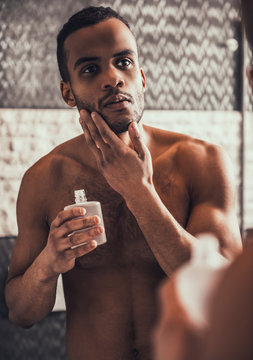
{"x":65,"y":244}
{"x":91,"y":208}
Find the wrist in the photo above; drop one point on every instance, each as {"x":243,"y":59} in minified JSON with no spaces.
{"x":141,"y":195}
{"x":45,"y":271}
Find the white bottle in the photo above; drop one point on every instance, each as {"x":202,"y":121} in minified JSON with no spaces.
{"x":92,"y":208}
{"x":197,"y":280}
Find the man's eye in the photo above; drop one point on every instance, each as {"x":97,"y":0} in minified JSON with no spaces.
{"x":89,"y":69}
{"x":124,"y":63}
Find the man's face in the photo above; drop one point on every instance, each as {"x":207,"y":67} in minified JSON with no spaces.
{"x":104,"y":73}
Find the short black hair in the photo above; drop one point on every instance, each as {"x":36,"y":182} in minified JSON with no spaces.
{"x":86,"y":17}
{"x":247,"y":17}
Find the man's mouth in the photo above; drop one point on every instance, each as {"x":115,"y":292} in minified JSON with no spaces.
{"x":117,"y":101}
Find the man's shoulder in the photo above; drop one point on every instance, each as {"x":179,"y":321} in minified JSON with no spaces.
{"x":49,"y":174}
{"x":198,"y":151}
{"x":51,"y":164}
{"x":185,"y":148}
{"x":208,"y":170}
{"x":197,"y":161}
{"x":203,"y":161}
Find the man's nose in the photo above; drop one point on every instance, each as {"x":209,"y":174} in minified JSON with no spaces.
{"x":112,"y":78}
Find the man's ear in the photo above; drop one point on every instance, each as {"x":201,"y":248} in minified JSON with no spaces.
{"x":67,"y":94}
{"x":249,"y":72}
{"x":143,"y":79}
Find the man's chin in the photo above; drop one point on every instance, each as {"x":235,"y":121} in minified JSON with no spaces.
{"x":119,"y":125}
{"x":119,"y":128}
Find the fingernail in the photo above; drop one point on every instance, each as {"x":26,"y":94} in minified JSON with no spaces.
{"x":84,"y":112}
{"x":93,"y":244}
{"x":98,"y":231}
{"x":135,"y":126}
{"x":135,"y":129}
{"x":97,"y":219}
{"x":82,"y":211}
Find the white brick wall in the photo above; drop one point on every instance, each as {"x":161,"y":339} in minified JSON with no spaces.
{"x":248,"y":171}
{"x":28,"y":134}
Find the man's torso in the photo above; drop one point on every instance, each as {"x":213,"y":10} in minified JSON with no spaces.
{"x":111,"y":292}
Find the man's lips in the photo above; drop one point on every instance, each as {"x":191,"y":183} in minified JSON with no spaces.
{"x":117,"y":101}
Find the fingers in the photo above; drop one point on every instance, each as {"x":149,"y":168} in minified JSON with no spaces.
{"x":98,"y":132}
{"x":72,"y":230}
{"x":93,"y":137}
{"x":78,"y":224}
{"x":81,"y":237}
{"x":71,"y":235}
{"x":77,"y":237}
{"x":65,"y":215}
{"x":108,"y":136}
{"x":81,"y":250}
{"x":91,"y":143}
{"x":100,"y":138}
{"x":137,"y":142}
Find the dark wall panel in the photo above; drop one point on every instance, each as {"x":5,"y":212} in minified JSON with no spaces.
{"x":43,"y":341}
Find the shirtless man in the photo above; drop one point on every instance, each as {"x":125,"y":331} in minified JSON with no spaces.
{"x":157,"y":189}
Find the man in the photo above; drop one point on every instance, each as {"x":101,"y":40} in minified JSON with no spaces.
{"x":230,"y":328}
{"x":157,"y":189}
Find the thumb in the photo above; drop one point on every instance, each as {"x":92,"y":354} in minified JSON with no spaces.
{"x":136,"y":139}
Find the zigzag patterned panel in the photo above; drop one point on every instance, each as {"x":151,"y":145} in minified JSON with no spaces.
{"x":185,"y":50}
{"x":248,"y":96}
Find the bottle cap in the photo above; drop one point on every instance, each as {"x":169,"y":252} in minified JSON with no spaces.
{"x":80,"y":196}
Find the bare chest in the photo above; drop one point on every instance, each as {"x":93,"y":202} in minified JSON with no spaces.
{"x":125,"y":241}
{"x":172,"y":189}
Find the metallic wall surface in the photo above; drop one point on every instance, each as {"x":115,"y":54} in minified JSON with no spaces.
{"x":185,"y":50}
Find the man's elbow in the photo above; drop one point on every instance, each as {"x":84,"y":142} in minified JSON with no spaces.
{"x":18,"y":320}
{"x":15,"y":315}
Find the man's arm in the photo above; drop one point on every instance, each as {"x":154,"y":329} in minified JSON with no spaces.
{"x":40,"y":254}
{"x":130,"y":172}
{"x":210,"y":177}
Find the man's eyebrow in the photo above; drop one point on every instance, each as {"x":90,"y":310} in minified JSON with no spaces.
{"x":84,"y":59}
{"x":125,"y":52}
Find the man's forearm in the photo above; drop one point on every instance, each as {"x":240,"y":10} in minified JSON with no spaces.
{"x":31,"y":296}
{"x":168,"y":240}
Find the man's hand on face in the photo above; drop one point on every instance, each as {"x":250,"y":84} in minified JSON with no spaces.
{"x":124,"y":169}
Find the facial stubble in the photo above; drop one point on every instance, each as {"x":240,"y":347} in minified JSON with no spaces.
{"x":122,"y":123}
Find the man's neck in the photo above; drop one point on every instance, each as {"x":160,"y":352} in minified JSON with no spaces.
{"x":126,"y":139}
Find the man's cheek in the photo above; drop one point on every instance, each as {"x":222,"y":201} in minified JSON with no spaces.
{"x":81,"y":104}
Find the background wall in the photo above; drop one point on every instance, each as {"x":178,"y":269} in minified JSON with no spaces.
{"x":194,"y":56}
{"x":191,"y":52}
{"x":184,"y":50}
